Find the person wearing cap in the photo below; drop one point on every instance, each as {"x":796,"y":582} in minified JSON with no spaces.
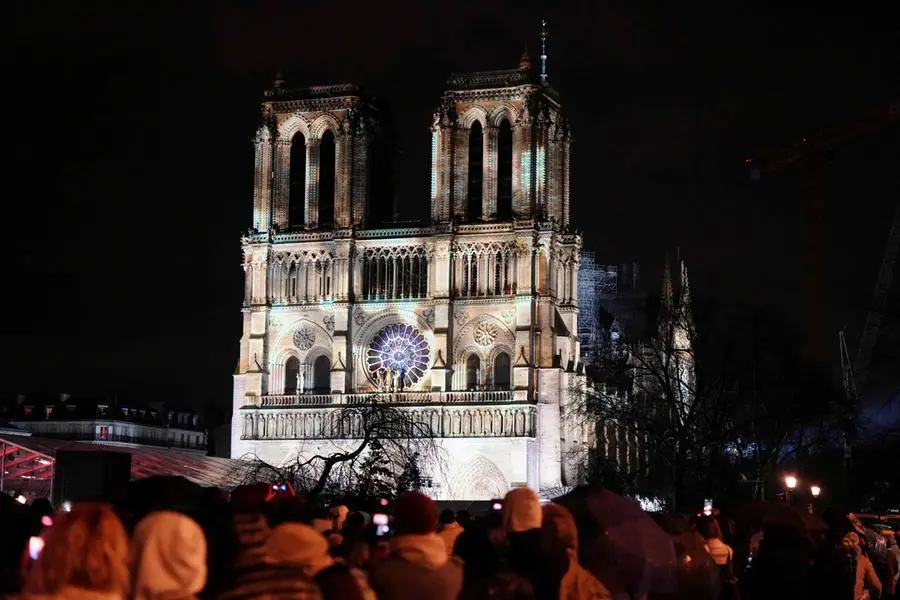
{"x":417,"y":565}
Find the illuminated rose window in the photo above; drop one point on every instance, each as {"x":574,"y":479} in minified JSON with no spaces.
{"x":398,"y":347}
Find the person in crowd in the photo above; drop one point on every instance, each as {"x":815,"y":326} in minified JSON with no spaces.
{"x":708,"y":527}
{"x":250,"y":525}
{"x":543,"y":567}
{"x":833,"y":573}
{"x":782,"y":567}
{"x":463,"y":518}
{"x":85,"y":557}
{"x":559,"y":531}
{"x":255,"y":577}
{"x":354,"y":548}
{"x":867,"y":585}
{"x":894,"y":555}
{"x":299,"y":546}
{"x":168,"y":558}
{"x":418,"y":565}
{"x":449,"y":529}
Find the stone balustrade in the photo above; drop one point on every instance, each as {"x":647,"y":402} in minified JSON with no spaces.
{"x":336,"y":422}
{"x":413,"y":398}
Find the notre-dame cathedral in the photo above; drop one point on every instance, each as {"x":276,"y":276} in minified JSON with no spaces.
{"x":469,"y":321}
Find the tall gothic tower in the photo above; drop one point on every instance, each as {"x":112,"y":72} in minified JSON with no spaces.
{"x":469,"y":323}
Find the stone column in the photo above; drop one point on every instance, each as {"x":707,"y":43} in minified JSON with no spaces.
{"x":445,"y":184}
{"x":312,"y":183}
{"x":460,"y":171}
{"x":343,"y":161}
{"x":524,"y":161}
{"x":566,"y":156}
{"x":359,"y":196}
{"x":262,"y":179}
{"x":489,"y":176}
{"x":282,"y":183}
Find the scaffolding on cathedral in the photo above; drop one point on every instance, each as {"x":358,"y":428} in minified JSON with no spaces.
{"x":596,"y":283}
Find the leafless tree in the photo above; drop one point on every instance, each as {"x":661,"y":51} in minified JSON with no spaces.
{"x":354,"y":430}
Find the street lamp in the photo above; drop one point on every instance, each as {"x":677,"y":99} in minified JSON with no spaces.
{"x":815,"y":490}
{"x":790,"y":482}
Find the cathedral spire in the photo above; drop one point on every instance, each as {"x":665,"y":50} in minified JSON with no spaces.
{"x":667,"y":301}
{"x":543,"y":50}
{"x":686,"y":314}
{"x":525,"y":61}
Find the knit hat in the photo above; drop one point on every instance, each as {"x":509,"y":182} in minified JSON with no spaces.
{"x":415,"y":513}
{"x":521,"y":510}
{"x":168,"y":557}
{"x":300,"y":546}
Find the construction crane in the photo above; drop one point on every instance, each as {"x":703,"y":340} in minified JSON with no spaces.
{"x":812,"y":153}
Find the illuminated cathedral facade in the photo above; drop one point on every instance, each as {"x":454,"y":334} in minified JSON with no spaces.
{"x":469,"y":321}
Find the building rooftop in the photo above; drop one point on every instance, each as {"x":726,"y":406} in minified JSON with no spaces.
{"x":28,"y":463}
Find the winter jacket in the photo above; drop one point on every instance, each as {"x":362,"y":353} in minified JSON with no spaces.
{"x":418,"y":567}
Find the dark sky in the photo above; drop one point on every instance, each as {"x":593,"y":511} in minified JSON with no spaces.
{"x":132,"y":126}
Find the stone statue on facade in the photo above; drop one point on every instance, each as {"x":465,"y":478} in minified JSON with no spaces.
{"x":383,"y":380}
{"x":398,"y":381}
{"x":478,"y":378}
{"x":300,"y":382}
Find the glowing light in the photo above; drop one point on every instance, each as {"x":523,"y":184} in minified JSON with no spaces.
{"x":790,"y":481}
{"x":650,"y":504}
{"x":815,"y":490}
{"x":21,"y":499}
{"x":47,"y":521}
{"x":67,"y":506}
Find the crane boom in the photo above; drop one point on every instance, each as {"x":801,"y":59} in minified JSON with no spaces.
{"x":879,"y":301}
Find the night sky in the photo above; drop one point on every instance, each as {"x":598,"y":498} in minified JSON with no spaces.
{"x":133,"y":172}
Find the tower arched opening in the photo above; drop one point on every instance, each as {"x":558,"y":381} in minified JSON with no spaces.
{"x":501,"y":374}
{"x":473,"y":366}
{"x":291,"y":371}
{"x":322,"y":375}
{"x":476,"y":172}
{"x":326,"y":179}
{"x":504,"y":170}
{"x":297,"y":191}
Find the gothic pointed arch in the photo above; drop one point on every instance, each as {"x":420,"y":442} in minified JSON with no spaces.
{"x":479,"y":479}
{"x":291,"y":126}
{"x":323,"y":123}
{"x":475,"y":114}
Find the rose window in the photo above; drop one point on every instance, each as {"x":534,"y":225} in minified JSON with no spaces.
{"x":304,"y":337}
{"x":398,"y":347}
{"x":485,"y":333}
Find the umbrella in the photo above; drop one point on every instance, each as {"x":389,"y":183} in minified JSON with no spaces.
{"x":697,"y":572}
{"x":617,"y":533}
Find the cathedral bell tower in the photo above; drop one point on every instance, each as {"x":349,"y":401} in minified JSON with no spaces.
{"x":500,"y":149}
{"x":314,"y":153}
